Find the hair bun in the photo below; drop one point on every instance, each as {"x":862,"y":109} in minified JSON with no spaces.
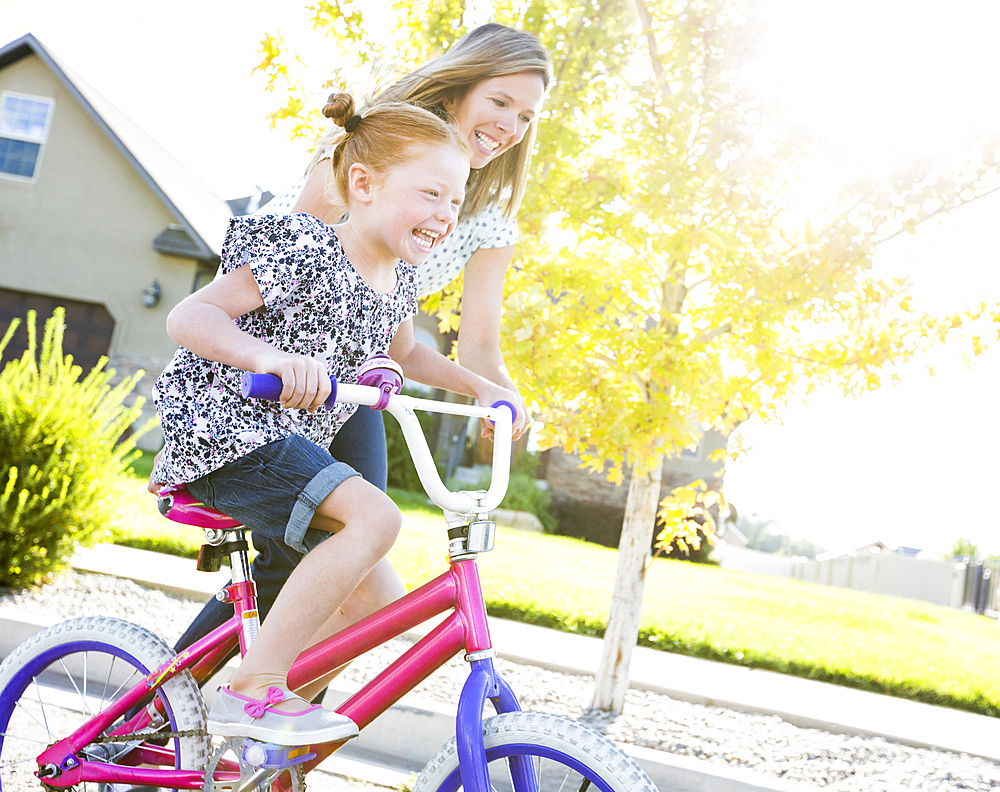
{"x":339,"y":108}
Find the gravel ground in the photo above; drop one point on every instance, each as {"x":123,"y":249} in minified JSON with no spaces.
{"x":765,"y":744}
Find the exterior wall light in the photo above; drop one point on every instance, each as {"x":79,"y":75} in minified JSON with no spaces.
{"x":151,"y":294}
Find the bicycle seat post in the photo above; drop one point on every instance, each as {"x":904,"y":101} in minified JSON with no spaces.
{"x":242,"y":591}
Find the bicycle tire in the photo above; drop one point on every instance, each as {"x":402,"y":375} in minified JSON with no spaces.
{"x":79,"y":666}
{"x":563,"y":750}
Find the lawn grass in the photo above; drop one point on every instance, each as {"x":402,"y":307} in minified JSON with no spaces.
{"x":889,"y":645}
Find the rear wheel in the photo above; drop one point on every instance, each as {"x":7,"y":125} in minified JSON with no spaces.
{"x":565,"y":755}
{"x":68,"y":673}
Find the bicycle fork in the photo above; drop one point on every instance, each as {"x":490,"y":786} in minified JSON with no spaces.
{"x":484,"y":683}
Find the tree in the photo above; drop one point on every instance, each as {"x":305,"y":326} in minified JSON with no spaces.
{"x":964,"y":547}
{"x":660,"y":286}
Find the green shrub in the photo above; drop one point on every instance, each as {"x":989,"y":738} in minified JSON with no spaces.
{"x":60,"y":454}
{"x":523,"y":492}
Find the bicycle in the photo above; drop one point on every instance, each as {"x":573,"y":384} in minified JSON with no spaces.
{"x":138,"y":716}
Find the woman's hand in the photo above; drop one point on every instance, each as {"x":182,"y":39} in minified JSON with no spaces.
{"x":490,"y":394}
{"x":152,"y":485}
{"x":305,"y":381}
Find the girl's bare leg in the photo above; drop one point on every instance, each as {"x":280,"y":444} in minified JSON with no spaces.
{"x":381,"y":586}
{"x":364,"y":523}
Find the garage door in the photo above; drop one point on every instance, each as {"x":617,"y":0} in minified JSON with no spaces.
{"x":88,"y":325}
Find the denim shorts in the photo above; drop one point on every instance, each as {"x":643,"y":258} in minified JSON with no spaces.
{"x":275,"y":490}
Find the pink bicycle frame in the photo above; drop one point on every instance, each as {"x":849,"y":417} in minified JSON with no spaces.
{"x":458,"y":589}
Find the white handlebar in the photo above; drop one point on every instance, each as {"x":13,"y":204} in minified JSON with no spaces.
{"x":402,"y":408}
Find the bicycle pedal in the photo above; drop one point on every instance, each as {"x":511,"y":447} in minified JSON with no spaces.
{"x":274,"y":757}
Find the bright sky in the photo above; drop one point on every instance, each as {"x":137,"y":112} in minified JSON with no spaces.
{"x":914,"y":465}
{"x":182,"y":71}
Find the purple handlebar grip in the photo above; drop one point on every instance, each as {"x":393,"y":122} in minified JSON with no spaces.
{"x":503,"y":403}
{"x":268,"y":386}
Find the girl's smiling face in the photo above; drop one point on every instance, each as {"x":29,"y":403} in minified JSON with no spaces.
{"x":417,"y":202}
{"x":495,"y":114}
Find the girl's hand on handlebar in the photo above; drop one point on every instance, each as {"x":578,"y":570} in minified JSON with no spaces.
{"x":494,"y":393}
{"x":305,"y":381}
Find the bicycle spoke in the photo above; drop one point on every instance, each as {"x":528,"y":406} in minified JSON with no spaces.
{"x":124,"y":684}
{"x":43,"y":723}
{"x":107,"y":682}
{"x":83,"y":697}
{"x":16,"y":762}
{"x":41,"y":707}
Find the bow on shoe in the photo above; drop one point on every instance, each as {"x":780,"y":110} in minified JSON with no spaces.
{"x":256,"y":709}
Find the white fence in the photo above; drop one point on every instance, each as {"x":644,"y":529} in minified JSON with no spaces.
{"x":940,"y":582}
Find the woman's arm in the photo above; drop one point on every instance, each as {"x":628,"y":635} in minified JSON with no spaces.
{"x":203,"y":323}
{"x":430,"y":367}
{"x":319,"y":195}
{"x":479,"y":327}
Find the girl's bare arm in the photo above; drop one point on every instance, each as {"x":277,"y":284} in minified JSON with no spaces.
{"x":203,"y":323}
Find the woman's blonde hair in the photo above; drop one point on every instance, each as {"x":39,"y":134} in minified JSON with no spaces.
{"x":485,"y":52}
{"x":384,"y":136}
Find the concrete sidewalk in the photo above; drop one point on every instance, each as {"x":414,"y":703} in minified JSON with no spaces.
{"x":424,"y":726}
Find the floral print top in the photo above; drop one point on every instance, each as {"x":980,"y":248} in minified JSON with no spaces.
{"x":491,"y":228}
{"x":315,"y":304}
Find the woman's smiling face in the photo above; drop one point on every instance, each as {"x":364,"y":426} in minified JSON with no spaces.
{"x":495,"y":114}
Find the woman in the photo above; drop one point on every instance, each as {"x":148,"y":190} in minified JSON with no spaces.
{"x":492,"y":83}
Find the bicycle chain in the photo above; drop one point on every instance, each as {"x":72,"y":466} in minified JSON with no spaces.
{"x":168,"y":735}
{"x":108,"y":739}
{"x":299,"y":770}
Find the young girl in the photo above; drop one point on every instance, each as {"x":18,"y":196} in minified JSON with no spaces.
{"x":303,"y":300}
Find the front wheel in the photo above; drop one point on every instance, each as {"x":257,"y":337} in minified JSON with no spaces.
{"x":566,"y":755}
{"x":64,"y":675}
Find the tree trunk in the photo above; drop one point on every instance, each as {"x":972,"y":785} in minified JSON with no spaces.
{"x":626,"y":601}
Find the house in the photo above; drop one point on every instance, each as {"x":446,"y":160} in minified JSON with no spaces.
{"x":95,"y":216}
{"x":588,"y":506}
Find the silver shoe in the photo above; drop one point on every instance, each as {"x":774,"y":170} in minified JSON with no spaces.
{"x":234,"y":715}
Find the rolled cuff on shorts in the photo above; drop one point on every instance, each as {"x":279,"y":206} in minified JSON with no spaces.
{"x":297,"y":534}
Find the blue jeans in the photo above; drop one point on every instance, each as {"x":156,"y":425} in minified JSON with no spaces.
{"x":360,"y":443}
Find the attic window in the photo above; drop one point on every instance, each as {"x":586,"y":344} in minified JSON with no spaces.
{"x":24,"y":128}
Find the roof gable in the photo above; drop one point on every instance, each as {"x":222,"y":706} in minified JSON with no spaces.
{"x":199,"y":213}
